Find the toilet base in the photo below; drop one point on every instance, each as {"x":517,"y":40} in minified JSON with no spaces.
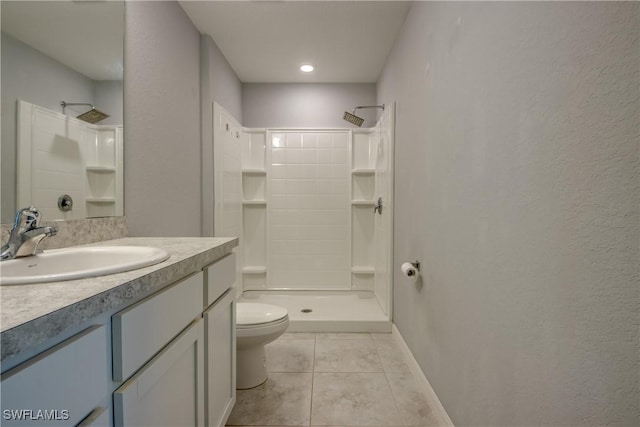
{"x":252,"y":367}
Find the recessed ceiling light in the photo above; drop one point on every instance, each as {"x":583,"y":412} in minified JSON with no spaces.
{"x":306,"y":68}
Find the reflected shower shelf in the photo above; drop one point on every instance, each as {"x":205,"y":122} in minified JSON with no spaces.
{"x":254,"y":202}
{"x":254,"y":171}
{"x":101,"y":169}
{"x":363,"y":171}
{"x":254,"y":269}
{"x":100,"y":200}
{"x":358,"y":269}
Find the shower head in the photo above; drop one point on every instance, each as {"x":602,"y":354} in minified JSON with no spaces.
{"x":91,"y":116}
{"x":358,"y":121}
{"x":353,"y":119}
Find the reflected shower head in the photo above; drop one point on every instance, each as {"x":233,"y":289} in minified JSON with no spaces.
{"x":353,"y":119}
{"x":91,"y":116}
{"x":358,"y":121}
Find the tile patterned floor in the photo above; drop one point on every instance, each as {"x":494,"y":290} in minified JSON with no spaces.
{"x":336,"y":380}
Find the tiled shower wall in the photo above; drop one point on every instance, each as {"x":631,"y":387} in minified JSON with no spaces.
{"x":308,"y":233}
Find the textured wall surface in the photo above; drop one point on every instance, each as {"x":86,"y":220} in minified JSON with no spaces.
{"x":517,"y":186}
{"x":305,"y":104}
{"x":218,"y":83}
{"x":162,"y":121}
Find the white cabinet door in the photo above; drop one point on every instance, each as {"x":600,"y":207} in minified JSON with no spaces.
{"x":59,"y":387}
{"x":98,"y":418}
{"x":220,"y":325}
{"x":169,"y":389}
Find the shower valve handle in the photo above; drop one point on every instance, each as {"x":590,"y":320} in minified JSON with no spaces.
{"x":378,"y":206}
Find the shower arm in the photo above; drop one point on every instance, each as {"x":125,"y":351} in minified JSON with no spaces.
{"x":368,"y":106}
{"x":66,"y":104}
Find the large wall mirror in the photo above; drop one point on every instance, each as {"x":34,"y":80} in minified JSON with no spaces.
{"x":55,"y":51}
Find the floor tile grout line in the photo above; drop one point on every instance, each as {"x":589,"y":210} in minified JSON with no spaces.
{"x":313,"y":375}
{"x":393,"y":395}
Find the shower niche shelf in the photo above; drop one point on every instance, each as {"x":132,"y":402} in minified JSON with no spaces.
{"x":254,"y":172}
{"x":254,"y":186}
{"x":104,"y":200}
{"x":103,"y":185}
{"x":360,"y":269}
{"x":101,"y":169}
{"x":363,"y":172}
{"x":254,"y":269}
{"x":254,"y":209}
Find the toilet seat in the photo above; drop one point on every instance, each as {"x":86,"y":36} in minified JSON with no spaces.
{"x":255,"y":315}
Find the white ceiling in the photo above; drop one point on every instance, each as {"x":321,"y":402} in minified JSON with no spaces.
{"x":267,"y":41}
{"x":85,"y":36}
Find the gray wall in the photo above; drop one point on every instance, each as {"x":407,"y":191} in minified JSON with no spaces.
{"x":517,"y":187}
{"x":305,"y":104}
{"x":34,"y":77}
{"x":108,"y":97}
{"x":218,"y":83}
{"x":162,"y":121}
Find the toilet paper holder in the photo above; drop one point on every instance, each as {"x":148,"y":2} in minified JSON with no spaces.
{"x":411,"y":269}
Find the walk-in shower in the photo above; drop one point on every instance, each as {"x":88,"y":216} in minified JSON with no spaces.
{"x":303,"y":202}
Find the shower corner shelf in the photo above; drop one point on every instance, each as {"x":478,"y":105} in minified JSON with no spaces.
{"x":256,"y":202}
{"x":359,"y":269}
{"x":101,"y":169}
{"x":363,"y":202}
{"x":254,"y":171}
{"x":254,"y":269}
{"x":100,"y":200}
{"x":362,"y":171}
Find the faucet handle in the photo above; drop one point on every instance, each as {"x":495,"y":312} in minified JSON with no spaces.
{"x":27,"y":219}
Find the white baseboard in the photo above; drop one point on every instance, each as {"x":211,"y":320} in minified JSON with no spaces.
{"x":423,"y":382}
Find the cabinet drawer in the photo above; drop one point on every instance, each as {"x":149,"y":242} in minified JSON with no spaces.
{"x":143,"y":329}
{"x":220,"y":276}
{"x":169,"y":390}
{"x":61,"y":386}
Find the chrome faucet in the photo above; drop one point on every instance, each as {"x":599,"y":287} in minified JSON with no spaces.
{"x":26,"y":235}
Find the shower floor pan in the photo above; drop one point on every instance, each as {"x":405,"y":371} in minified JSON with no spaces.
{"x":326,"y":311}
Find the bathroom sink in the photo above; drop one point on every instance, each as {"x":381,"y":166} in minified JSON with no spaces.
{"x":77,"y":263}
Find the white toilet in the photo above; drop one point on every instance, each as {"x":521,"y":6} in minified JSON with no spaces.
{"x":256,"y":325}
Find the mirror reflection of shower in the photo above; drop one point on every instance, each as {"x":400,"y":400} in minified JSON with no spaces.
{"x":355,"y":120}
{"x":92,"y":116}
{"x":60,"y":154}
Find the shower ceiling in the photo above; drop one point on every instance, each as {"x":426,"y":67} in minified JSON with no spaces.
{"x":267,"y":41}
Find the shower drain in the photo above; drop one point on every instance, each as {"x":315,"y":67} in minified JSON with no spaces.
{"x":306,"y":310}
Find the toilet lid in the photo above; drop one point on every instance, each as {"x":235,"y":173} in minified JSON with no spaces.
{"x":250,"y":313}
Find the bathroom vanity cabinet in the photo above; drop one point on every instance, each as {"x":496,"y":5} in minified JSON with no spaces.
{"x":61,"y":386}
{"x":168,"y":358}
{"x":157,"y":361}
